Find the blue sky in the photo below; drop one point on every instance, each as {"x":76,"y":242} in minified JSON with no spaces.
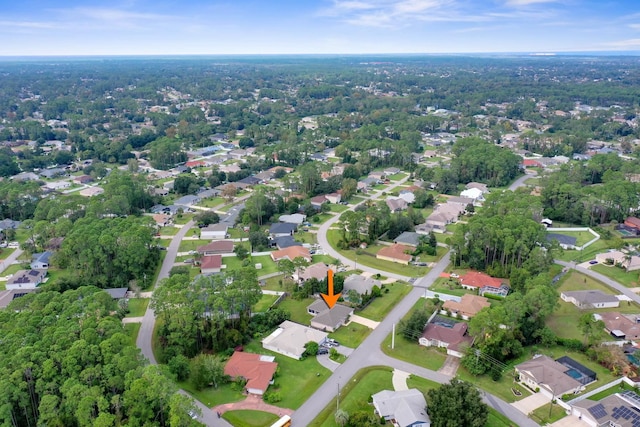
{"x":161,"y":27}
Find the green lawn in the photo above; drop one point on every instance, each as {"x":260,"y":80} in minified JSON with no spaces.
{"x":581,"y":236}
{"x":398,"y":176}
{"x":156,"y":273}
{"x":355,"y":394}
{"x":337,"y":207}
{"x":6,"y":252}
{"x":296,"y":380}
{"x":131,"y":330}
{"x":137,"y":307}
{"x":237,"y":233}
{"x":544,"y":416}
{"x":321,"y":218}
{"x":411,"y":351}
{"x":213,"y":396}
{"x":368,"y":257}
{"x":306,"y":237}
{"x":14,"y":268}
{"x":268,"y":265}
{"x":192,"y":245}
{"x":611,"y":390}
{"x":322,"y":258}
{"x":169,"y":231}
{"x":589,"y":253}
{"x":265,"y":302}
{"x":183,"y":218}
{"x":380,"y":307}
{"x":247,"y":418}
{"x":444,"y":285}
{"x":211,"y":202}
{"x":351,"y":335}
{"x":620,"y":275}
{"x":298,"y":309}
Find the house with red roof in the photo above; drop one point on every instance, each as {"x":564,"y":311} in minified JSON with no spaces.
{"x":483,"y":284}
{"x":395,"y":253}
{"x":256,"y":369}
{"x":531,"y":163}
{"x":217,"y":247}
{"x":211,"y":264}
{"x":632,"y":222}
{"x":291,"y":253}
{"x":453,"y":337}
{"x":195,"y":163}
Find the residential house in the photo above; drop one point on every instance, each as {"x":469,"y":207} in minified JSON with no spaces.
{"x":377,"y":175}
{"x":612,"y":258}
{"x":318,"y":157}
{"x":91,"y":191}
{"x":318,"y":201}
{"x":52,"y":173}
{"x":9,"y":295}
{"x":117,"y":293}
{"x":366,"y":183}
{"x":334,"y":198}
{"x":632,"y":222}
{"x":590,"y":299}
{"x":280,"y":229}
{"x":9,"y":224}
{"x":404,"y":408}
{"x":188,"y":200}
{"x":285,"y":242}
{"x":328,"y":319}
{"x":483,"y":284}
{"x":460,"y":202}
{"x":208,"y":193}
{"x":238,"y":154}
{"x":391,"y":171}
{"x":211,"y":264}
{"x":452,"y":337}
{"x":395,"y":253}
{"x":361,"y":284}
{"x":396,"y":204}
{"x":619,"y":409}
{"x":214,"y":231}
{"x":26,"y":279}
{"x":468,"y":306}
{"x":436,"y":222}
{"x":474,"y":194}
{"x":317,"y":271}
{"x":291,"y":253}
{"x":549,"y":376}
{"x":289,"y":339}
{"x":407,"y":195}
{"x":566,"y":242}
{"x":478,"y":185}
{"x":621,"y":326}
{"x":162,"y":220}
{"x":250,"y":181}
{"x":40,"y":261}
{"x":408,"y":238}
{"x":25,"y":176}
{"x":532,"y":163}
{"x":57,"y":185}
{"x":256,"y":369}
{"x":297,"y":218}
{"x":217,"y":247}
{"x":82,"y":179}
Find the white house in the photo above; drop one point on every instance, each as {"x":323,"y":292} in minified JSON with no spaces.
{"x":214,"y":232}
{"x":590,"y":299}
{"x":289,"y":339}
{"x":475,"y":194}
{"x":404,"y":408}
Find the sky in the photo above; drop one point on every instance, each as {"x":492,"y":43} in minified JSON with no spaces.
{"x":196,"y":27}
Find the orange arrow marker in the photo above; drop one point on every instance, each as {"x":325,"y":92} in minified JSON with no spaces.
{"x":330,"y":299}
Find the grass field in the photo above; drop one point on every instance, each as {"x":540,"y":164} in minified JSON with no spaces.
{"x":411,"y":351}
{"x":351,"y":335}
{"x":192,"y":245}
{"x":169,"y":231}
{"x":381,"y":306}
{"x":6,"y":252}
{"x":131,"y":330}
{"x":587,"y":254}
{"x":14,"y":268}
{"x":355,"y":394}
{"x":211,"y":202}
{"x":247,"y":418}
{"x":265,"y":302}
{"x":565,"y":319}
{"x":619,"y":274}
{"x":183,"y":218}
{"x":213,"y":396}
{"x":611,"y":390}
{"x":337,"y":208}
{"x":137,"y":307}
{"x":541,"y":415}
{"x":581,"y":236}
{"x":298,"y":309}
{"x":237,"y":233}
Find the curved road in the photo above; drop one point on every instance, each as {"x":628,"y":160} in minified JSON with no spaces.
{"x":601,"y":277}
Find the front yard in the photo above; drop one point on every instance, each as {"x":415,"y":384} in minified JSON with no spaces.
{"x":351,"y":335}
{"x":380,"y":307}
{"x":619,"y":274}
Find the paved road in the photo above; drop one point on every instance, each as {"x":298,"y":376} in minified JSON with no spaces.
{"x":328,"y":250}
{"x":10,"y":259}
{"x":601,"y":277}
{"x":521,"y":181}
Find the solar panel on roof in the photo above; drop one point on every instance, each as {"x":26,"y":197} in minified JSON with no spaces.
{"x":598,"y":411}
{"x":632,"y":397}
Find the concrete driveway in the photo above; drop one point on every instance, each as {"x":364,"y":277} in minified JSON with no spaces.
{"x":531,"y":403}
{"x":569,"y":421}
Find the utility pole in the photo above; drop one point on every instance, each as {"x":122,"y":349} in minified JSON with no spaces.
{"x":338,"y":399}
{"x":393,"y":337}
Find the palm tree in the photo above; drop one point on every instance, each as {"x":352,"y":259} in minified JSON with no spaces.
{"x":341,"y":417}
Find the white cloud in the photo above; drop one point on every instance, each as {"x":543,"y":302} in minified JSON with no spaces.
{"x":624,"y":44}
{"x":517,"y":3}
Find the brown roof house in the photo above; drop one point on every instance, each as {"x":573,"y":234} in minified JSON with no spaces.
{"x":257,"y":369}
{"x":620,"y":326}
{"x":291,"y":253}
{"x":318,"y":271}
{"x":211,"y":264}
{"x":216,"y":248}
{"x":395,"y":253}
{"x":548,"y":375}
{"x":632,"y":222}
{"x":468,"y":306}
{"x":483,"y":283}
{"x":452,"y":337}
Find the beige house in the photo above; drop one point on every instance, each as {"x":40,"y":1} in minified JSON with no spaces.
{"x":468,"y":306}
{"x":548,"y":375}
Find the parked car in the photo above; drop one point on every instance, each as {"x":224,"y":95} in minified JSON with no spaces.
{"x":593,"y":261}
{"x":193,"y":415}
{"x":323,"y":350}
{"x":188,"y":261}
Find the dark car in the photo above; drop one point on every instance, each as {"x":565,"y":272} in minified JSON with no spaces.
{"x":323,"y":350}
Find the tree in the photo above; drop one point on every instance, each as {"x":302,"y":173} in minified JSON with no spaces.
{"x":457,"y":404}
{"x":310,"y":349}
{"x":349,"y":186}
{"x":341,"y":417}
{"x":166,"y":152}
{"x":286,"y":267}
{"x":259,"y":241}
{"x":229,"y":192}
{"x":241,"y":252}
{"x":412,"y":329}
{"x":205,"y":218}
{"x":206,"y":370}
{"x":186,"y":183}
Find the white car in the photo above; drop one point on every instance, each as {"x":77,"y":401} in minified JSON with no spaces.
{"x":13,"y":245}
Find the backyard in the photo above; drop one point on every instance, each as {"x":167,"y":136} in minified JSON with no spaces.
{"x":265,"y":302}
{"x":137,"y":307}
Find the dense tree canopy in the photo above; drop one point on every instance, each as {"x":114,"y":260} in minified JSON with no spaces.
{"x":457,"y":404}
{"x":65,"y":361}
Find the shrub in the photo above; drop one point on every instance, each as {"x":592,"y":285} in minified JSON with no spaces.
{"x":272,"y":397}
